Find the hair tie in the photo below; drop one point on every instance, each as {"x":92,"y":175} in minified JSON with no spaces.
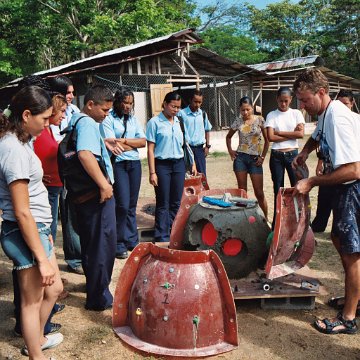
{"x":7,"y":112}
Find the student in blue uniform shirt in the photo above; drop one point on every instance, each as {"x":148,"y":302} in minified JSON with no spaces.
{"x":197,"y":130}
{"x":166,"y":164}
{"x":71,"y":241}
{"x":95,"y":211}
{"x":121,"y":125}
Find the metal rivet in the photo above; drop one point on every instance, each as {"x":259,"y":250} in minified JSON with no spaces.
{"x":138,"y":311}
{"x":136,"y":258}
{"x":166,"y":318}
{"x":197,"y":287}
{"x":171,"y":270}
{"x":145,"y":281}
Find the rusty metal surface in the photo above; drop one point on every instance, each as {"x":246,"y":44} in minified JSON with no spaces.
{"x":177,"y":303}
{"x":189,"y":199}
{"x":195,"y":185}
{"x":243,"y":229}
{"x":293,"y":242}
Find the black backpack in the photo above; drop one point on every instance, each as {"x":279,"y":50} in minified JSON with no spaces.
{"x":76,"y":180}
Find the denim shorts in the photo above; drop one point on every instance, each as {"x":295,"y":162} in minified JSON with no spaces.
{"x":15,"y":247}
{"x":246,"y":162}
{"x":346,"y":217}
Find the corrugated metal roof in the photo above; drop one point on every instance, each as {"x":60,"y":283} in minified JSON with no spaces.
{"x":287,"y":64}
{"x":298,"y":64}
{"x":217,"y":64}
{"x":119,"y":53}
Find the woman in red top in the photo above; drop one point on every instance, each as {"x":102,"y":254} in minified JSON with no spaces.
{"x":46,"y":148}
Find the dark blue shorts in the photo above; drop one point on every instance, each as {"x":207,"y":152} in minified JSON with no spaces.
{"x":246,"y":162}
{"x":346,"y":217}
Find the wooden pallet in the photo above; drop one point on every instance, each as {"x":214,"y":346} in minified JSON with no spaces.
{"x":294,"y":291}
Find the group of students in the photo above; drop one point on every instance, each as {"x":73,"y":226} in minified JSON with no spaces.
{"x":105,"y":220}
{"x":283,"y":127}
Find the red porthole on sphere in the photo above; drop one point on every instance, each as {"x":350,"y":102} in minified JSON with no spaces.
{"x":209,"y":234}
{"x":232,"y":247}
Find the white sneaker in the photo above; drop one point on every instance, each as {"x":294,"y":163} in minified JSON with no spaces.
{"x":52,"y":341}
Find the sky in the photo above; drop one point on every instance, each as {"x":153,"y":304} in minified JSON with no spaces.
{"x":261,"y":4}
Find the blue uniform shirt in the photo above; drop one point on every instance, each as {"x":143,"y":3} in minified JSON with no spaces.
{"x":89,"y":138}
{"x":194,"y":126}
{"x":168,"y":138}
{"x":114,"y":128}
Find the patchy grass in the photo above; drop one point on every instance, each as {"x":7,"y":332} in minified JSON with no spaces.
{"x":96,"y":334}
{"x":218,"y":154}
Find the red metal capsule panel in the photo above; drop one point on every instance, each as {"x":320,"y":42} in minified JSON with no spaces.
{"x":173,"y":302}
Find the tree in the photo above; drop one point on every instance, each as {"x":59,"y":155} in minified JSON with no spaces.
{"x":40,"y":34}
{"x":228,"y":42}
{"x":281,"y":29}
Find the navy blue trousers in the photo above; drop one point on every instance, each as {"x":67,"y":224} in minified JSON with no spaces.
{"x":171,"y":177}
{"x":279,"y":162}
{"x":53,"y":195}
{"x":323,"y":210}
{"x":199,"y":155}
{"x":97,"y":230}
{"x":71,"y":240}
{"x":126,"y":191}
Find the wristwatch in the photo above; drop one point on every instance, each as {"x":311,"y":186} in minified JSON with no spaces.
{"x":208,"y":146}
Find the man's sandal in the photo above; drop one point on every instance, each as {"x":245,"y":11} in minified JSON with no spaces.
{"x":338,"y":304}
{"x":349,"y":326}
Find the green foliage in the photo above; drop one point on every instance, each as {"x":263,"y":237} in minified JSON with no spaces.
{"x":8,"y":69}
{"x":281,"y":28}
{"x":39,"y":34}
{"x":228,"y":42}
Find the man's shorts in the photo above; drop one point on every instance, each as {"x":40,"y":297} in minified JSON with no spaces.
{"x":246,"y":162}
{"x":346,"y":217}
{"x":15,"y":247}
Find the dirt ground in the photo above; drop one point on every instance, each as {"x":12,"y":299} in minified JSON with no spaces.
{"x":269,"y":334}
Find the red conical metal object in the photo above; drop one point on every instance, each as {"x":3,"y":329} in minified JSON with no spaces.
{"x":187,"y":201}
{"x":293,"y":242}
{"x":176,"y":303}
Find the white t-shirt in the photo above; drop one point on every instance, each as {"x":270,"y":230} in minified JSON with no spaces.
{"x":341,"y":130}
{"x":19,"y":162}
{"x":284,"y":121}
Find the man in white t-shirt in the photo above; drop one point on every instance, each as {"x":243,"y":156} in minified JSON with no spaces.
{"x":284,"y":127}
{"x":337,"y":133}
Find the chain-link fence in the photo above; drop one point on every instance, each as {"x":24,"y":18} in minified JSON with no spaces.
{"x":221,"y":97}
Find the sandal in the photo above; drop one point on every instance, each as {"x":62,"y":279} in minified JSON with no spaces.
{"x":334,"y":303}
{"x":350,"y":326}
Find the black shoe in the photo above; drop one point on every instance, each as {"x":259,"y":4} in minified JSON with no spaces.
{"x":76,"y":270}
{"x":58,"y":308}
{"x":54,"y":328}
{"x":122,"y":255}
{"x":98,"y":309}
